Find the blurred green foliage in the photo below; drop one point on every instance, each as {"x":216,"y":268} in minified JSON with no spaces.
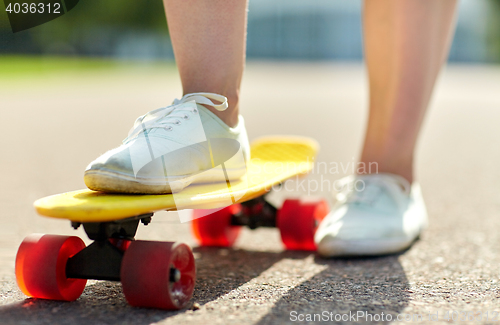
{"x":23,"y":67}
{"x":16,"y":66}
{"x":89,"y":18}
{"x":493,"y":36}
{"x":116,"y":13}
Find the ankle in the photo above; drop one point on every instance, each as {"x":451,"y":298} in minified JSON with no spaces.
{"x":228,"y":116}
{"x":393,"y":166}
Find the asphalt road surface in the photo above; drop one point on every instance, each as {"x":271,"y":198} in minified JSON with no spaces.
{"x":54,"y":124}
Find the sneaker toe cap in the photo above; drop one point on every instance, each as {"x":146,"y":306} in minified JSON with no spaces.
{"x":115,"y":160}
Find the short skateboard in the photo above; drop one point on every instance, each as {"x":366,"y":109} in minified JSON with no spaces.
{"x":162,"y":274}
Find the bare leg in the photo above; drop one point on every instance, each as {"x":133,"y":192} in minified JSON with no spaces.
{"x":209,"y":38}
{"x":406,"y":43}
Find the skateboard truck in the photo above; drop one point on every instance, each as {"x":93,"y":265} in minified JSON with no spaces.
{"x":255,"y":213}
{"x":102,"y":259}
{"x":297,"y":221}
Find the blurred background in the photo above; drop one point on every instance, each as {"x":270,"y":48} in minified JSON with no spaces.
{"x":278,"y":29}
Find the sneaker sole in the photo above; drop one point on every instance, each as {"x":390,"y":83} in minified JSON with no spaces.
{"x":342,"y":248}
{"x":111,"y":182}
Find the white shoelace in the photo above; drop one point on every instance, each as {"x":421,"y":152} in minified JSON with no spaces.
{"x":372,"y":185}
{"x":167,"y":117}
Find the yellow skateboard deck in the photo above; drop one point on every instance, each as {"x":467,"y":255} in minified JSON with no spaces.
{"x":273,"y":160}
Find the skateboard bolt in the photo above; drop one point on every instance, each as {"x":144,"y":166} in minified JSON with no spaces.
{"x":175,"y":274}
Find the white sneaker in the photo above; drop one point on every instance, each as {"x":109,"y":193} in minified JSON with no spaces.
{"x":169,"y":148}
{"x":375,"y":214}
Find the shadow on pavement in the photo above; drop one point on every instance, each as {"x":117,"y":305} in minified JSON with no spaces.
{"x":347,"y":286}
{"x":220,"y":271}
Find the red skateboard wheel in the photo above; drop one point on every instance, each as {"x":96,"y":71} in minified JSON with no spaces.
{"x":41,"y":267}
{"x":215,"y":229}
{"x":298,"y":220}
{"x":158,"y":274}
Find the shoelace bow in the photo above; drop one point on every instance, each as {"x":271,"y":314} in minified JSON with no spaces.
{"x":373,"y":185}
{"x":167,"y":117}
